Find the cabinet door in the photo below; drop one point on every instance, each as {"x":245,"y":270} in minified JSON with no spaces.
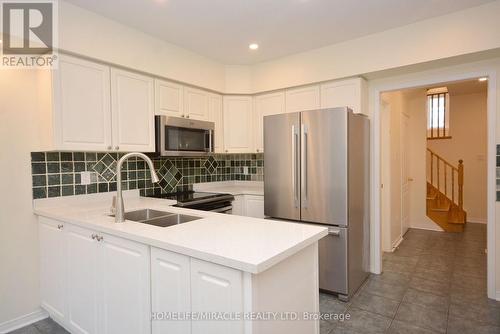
{"x":169,"y":98}
{"x":216,"y":288}
{"x":239,"y":207}
{"x":124,"y":279}
{"x":254,"y":206}
{"x":82,"y":280}
{"x":343,"y":93}
{"x":238,"y":127}
{"x":267,"y":104}
{"x":52,"y":267}
{"x":170,"y":290}
{"x":132,"y":100}
{"x":196,"y":103}
{"x":301,"y":99}
{"x":215,"y":115}
{"x":82,"y":115}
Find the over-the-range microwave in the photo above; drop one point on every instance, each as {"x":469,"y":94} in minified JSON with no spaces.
{"x":176,"y":136}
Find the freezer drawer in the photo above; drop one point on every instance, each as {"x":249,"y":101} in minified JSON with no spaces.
{"x":333,"y":265}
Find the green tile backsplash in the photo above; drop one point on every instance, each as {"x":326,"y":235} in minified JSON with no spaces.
{"x":57,"y":174}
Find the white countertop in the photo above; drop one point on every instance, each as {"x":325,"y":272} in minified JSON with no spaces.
{"x":244,"y":243}
{"x":232,"y":187}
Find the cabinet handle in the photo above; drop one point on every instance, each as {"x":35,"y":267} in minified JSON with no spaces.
{"x":60,"y":226}
{"x":110,"y":147}
{"x":99,"y":238}
{"x":257,"y":150}
{"x":183,"y":115}
{"x":187,"y":116}
{"x":226,"y":151}
{"x":117,"y":147}
{"x":93,"y":236}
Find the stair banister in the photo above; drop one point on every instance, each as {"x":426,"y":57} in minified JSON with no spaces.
{"x":435,"y":180}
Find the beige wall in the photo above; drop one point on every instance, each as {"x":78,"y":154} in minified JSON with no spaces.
{"x":19,"y":132}
{"x":468,"y":131}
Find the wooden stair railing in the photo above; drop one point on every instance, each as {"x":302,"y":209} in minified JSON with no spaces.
{"x":445,"y":193}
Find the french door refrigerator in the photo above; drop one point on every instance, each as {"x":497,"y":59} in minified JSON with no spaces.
{"x":316,"y":170}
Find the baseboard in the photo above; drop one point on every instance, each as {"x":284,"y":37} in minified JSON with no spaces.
{"x":476,"y":220}
{"x":23,"y":320}
{"x":498,"y":296}
{"x":396,"y":244}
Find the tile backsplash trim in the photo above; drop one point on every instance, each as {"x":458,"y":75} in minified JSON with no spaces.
{"x":57,"y":174}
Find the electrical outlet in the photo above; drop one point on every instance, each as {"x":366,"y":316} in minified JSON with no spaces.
{"x":85,"y":176}
{"x":245,"y":170}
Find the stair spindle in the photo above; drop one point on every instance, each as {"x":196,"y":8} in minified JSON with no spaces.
{"x":461,"y":184}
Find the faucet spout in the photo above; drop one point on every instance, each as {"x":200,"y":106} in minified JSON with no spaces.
{"x":120,"y":208}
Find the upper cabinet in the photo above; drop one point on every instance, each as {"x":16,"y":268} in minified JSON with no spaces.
{"x":81,"y":107}
{"x":99,"y":108}
{"x":266,"y":104}
{"x":351,"y":93}
{"x":238,"y":125}
{"x":169,"y":98}
{"x":215,"y":114}
{"x":196,"y":103}
{"x":303,"y":98}
{"x":132,"y":106}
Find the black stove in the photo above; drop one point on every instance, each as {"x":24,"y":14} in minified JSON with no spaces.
{"x":200,"y":200}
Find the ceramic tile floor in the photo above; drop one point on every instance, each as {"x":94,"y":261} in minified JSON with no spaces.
{"x":433,"y":283}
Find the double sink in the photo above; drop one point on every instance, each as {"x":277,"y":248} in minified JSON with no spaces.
{"x":158,"y":218}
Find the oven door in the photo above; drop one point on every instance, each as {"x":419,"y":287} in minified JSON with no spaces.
{"x":183,"y":137}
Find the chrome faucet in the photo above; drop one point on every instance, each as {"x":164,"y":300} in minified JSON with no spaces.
{"x":118,"y":204}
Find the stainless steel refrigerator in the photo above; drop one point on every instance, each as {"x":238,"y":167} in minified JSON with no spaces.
{"x":316,"y":170}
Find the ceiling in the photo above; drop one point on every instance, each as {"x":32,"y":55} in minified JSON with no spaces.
{"x":223,"y":29}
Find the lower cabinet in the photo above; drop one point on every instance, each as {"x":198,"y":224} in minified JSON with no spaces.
{"x":181,"y":284}
{"x":100,"y":283}
{"x":249,"y":206}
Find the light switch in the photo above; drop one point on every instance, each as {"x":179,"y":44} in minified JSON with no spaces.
{"x":85,"y":176}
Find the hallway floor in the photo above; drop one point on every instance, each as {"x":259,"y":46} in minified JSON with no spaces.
{"x":435,"y":282}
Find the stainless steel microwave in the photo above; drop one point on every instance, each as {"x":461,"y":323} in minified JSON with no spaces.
{"x":177,"y":136}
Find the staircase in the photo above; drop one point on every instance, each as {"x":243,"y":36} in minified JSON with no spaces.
{"x":445,"y":193}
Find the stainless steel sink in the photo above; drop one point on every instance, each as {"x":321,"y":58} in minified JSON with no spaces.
{"x":158,"y":218}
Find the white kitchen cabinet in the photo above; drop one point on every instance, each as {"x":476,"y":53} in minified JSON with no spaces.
{"x":238,"y":124}
{"x":82,"y":293}
{"x":266,"y":104}
{"x":254,"y":206}
{"x":239,"y":207}
{"x":81,"y":106}
{"x":170,"y":290}
{"x":132,"y":106}
{"x":215,"y":288}
{"x":215,"y":114}
{"x":124,"y":285}
{"x":169,"y":98}
{"x":303,"y":98}
{"x":196,"y":103}
{"x":351,"y":93}
{"x":53,"y":268}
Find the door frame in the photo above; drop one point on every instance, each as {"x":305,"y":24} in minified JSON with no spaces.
{"x":422,"y":79}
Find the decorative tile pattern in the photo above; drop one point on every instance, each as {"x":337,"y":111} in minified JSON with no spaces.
{"x":57,"y":174}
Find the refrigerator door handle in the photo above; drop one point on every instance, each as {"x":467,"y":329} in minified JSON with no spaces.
{"x":304,"y":166}
{"x":295,"y":188}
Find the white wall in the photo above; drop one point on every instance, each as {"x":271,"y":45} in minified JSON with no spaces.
{"x":468,"y":142}
{"x":19,"y":133}
{"x":92,"y":35}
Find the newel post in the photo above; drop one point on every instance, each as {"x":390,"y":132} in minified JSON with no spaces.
{"x":461,"y":184}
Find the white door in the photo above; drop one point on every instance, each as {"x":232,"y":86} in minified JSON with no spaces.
{"x":196,"y":103}
{"x":341,"y":94}
{"x":132,"y":106}
{"x":405,"y":176}
{"x":170,"y":290}
{"x":169,"y":98}
{"x":82,"y":116}
{"x":52,"y":267}
{"x":267,"y":104}
{"x":238,"y":127}
{"x":254,"y":206}
{"x":124,"y":277}
{"x":215,"y":115}
{"x":215,"y":288}
{"x":82,"y":280}
{"x":239,"y":207}
{"x":301,"y":99}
